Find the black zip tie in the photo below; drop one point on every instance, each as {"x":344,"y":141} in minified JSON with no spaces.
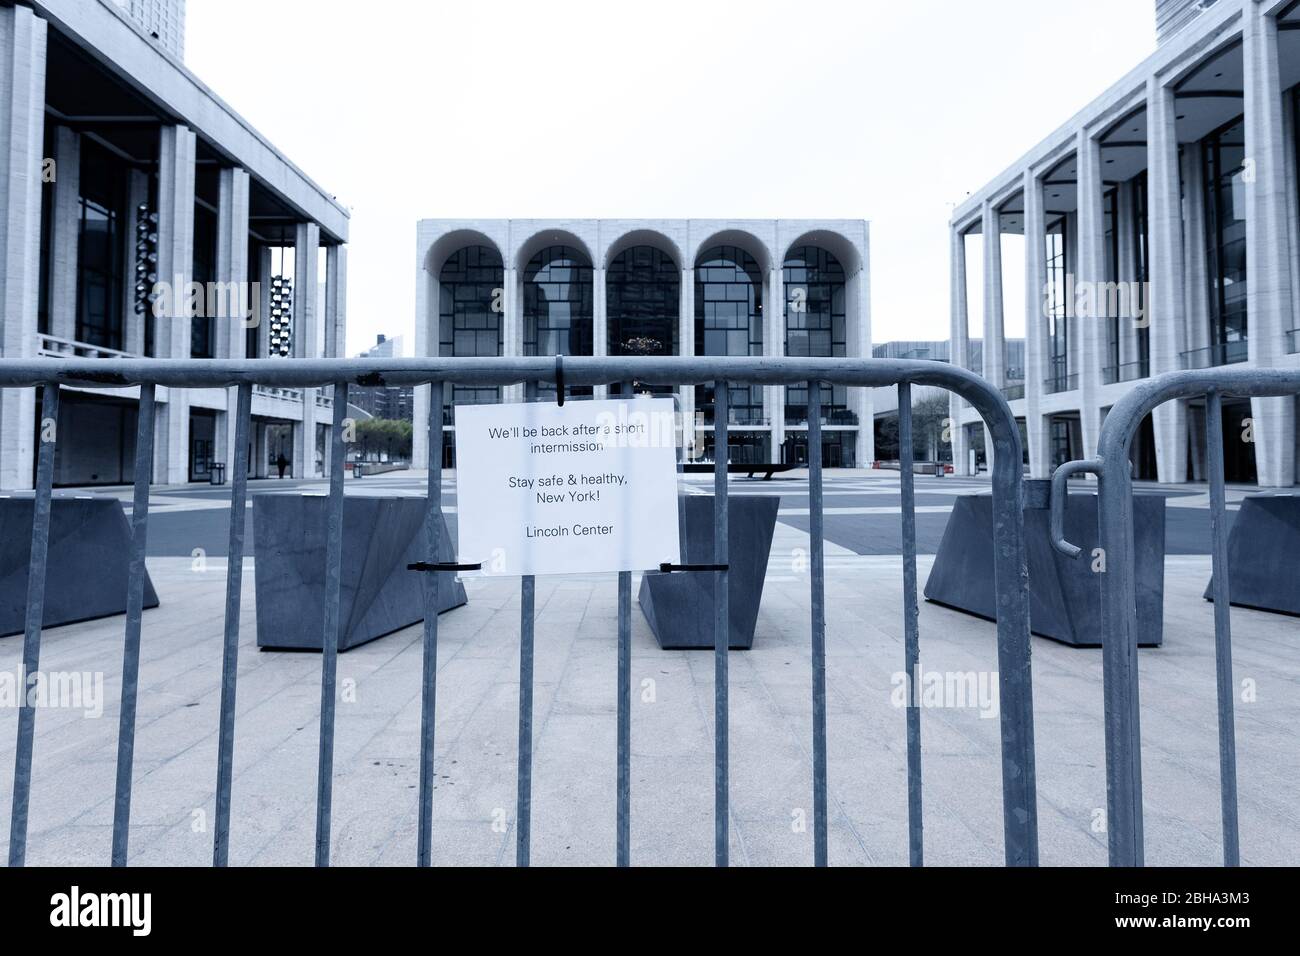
{"x":559,"y":380}
{"x":667,"y":568}
{"x":443,"y":566}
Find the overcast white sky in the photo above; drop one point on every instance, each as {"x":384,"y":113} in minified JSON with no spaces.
{"x":886,"y":110}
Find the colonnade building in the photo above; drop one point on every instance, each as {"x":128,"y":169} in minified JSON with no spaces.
{"x":1161,"y":232}
{"x":657,"y":287}
{"x":128,"y":187}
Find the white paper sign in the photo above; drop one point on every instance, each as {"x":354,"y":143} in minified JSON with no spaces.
{"x":587,"y":487}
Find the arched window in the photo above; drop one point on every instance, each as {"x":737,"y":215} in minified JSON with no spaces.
{"x":558,"y":305}
{"x":816,"y":327}
{"x":729,"y":321}
{"x":471,"y":296}
{"x":643,"y":298}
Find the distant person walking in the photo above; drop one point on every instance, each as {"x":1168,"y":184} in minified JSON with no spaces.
{"x":281,"y":463}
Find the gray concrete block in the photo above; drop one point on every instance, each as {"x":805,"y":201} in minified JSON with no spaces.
{"x":679,"y":606}
{"x":86,"y":565}
{"x":381,"y":536}
{"x":1263,"y":554}
{"x":1064,"y":593}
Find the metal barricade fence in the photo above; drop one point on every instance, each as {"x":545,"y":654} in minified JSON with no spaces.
{"x":1020,"y":827}
{"x":1119,"y":592}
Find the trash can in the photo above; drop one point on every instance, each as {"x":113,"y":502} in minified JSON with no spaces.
{"x":217,"y":473}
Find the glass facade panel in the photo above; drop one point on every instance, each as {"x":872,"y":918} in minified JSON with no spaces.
{"x":1142,"y":249}
{"x":251,"y":339}
{"x":100,"y":248}
{"x":202,"y":344}
{"x":471,"y":295}
{"x":1111,"y":204}
{"x":1225,"y":202}
{"x":729,"y":321}
{"x":558,"y":292}
{"x":816,"y":326}
{"x":1058,"y":322}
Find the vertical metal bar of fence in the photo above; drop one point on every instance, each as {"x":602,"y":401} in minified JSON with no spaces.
{"x":911,"y":638}
{"x":1222,"y":627}
{"x":230,"y":649}
{"x":524,"y":798}
{"x":721,"y":626}
{"x":818,"y":584}
{"x":134,"y":616}
{"x":34,"y":619}
{"x":330,"y":632}
{"x":524,"y":792}
{"x":1015,"y":672}
{"x":623,"y":813}
{"x":1119,"y":666}
{"x":432,"y":586}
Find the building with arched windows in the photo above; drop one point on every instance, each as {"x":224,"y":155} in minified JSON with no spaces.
{"x":761,"y":287}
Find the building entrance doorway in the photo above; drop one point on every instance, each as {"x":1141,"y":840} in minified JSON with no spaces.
{"x":838,"y":449}
{"x":203,"y":444}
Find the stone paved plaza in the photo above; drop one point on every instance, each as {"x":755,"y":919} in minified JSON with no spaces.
{"x":672,"y":770}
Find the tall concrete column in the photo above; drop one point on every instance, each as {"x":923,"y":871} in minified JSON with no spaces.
{"x":65,"y":232}
{"x":860,"y":401}
{"x":994,"y":345}
{"x":995,"y":349}
{"x":336,"y":300}
{"x":233,"y":306}
{"x":1166,"y":304}
{"x":599,"y":324}
{"x":1268,"y":248}
{"x":1035,"y":324}
{"x":512,"y":328}
{"x":426,"y":345}
{"x":959,"y":337}
{"x":232,"y":262}
{"x":306,"y":338}
{"x":774,"y":347}
{"x":686,"y":346}
{"x":1090,"y":275}
{"x":22,"y":132}
{"x":176,"y":149}
{"x":264,"y":271}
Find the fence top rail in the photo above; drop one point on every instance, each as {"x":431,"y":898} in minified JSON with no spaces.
{"x":1126,"y":415}
{"x":492,"y":371}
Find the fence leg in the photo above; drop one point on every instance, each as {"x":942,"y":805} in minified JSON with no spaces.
{"x":330,"y":634}
{"x":524,"y":809}
{"x":911,"y":639}
{"x":721,"y":627}
{"x":429,"y":661}
{"x":1119,"y":666}
{"x":230,"y":654}
{"x":134,"y":615}
{"x":1011,"y":576}
{"x":35,"y":617}
{"x":1222,"y":628}
{"x":623,"y":851}
{"x":816,"y":546}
